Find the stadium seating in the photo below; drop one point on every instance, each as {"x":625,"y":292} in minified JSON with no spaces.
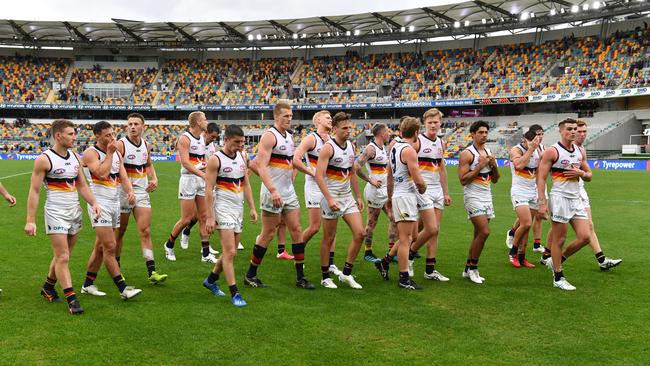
{"x":27,"y":79}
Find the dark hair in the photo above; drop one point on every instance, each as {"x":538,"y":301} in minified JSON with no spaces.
{"x":101,"y":126}
{"x":340,"y":117}
{"x":535,"y":128}
{"x":409,"y":127}
{"x":566,"y":121}
{"x":232,"y":131}
{"x":213,"y":127}
{"x":59,"y":125}
{"x":530,"y":135}
{"x":135,"y":115}
{"x":478,"y":124}
{"x":377,"y":128}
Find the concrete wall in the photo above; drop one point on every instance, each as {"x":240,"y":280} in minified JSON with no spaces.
{"x":617,"y":137}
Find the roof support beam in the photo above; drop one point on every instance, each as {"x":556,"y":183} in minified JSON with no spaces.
{"x":562,"y":2}
{"x":387,"y":20}
{"x":494,"y":8}
{"x":180,"y":31}
{"x":129,"y":32}
{"x":232,"y":31}
{"x":334,"y":24}
{"x":20,"y":31}
{"x":435,"y":15}
{"x":281,"y":27}
{"x":74,"y":30}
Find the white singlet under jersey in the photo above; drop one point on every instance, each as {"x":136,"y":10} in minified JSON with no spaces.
{"x":402,"y":181}
{"x":197,"y":152}
{"x":430,"y":158}
{"x":281,"y":163}
{"x":377,"y":165}
{"x":524,"y":179}
{"x":480,"y":187}
{"x":339,"y":168}
{"x":136,"y":159}
{"x":105,"y":190}
{"x":564,"y":186}
{"x":230,"y":180}
{"x":312,"y":158}
{"x":61,"y":180}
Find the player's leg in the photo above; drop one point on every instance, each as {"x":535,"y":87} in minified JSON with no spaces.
{"x":62,"y":245}
{"x":481,"y":225}
{"x":518,"y":251}
{"x":185,"y":234}
{"x":143,"y":222}
{"x":537,"y":235}
{"x":188,"y":212}
{"x":92,"y":269}
{"x":355,"y":223}
{"x":120,"y":231}
{"x":281,"y":234}
{"x":329,"y":236}
{"x":405,"y":230}
{"x":371,"y":224}
{"x":429,"y":223}
{"x":291,"y":217}
{"x":430,"y":272}
{"x":270,"y":222}
{"x":202,"y":215}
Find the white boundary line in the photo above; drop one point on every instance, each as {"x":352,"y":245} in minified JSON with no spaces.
{"x":15,"y":175}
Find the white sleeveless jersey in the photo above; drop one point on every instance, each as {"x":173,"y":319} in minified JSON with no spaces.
{"x":61,"y":180}
{"x":581,"y":182}
{"x":211,"y":149}
{"x":312,"y":159}
{"x":197,"y":152}
{"x":281,"y":163}
{"x":136,"y":159}
{"x":378,"y":164}
{"x":339,"y":168}
{"x":564,"y":186}
{"x":430,"y":158}
{"x":229,"y":187}
{"x":480,"y":187}
{"x":523,"y":180}
{"x":402,"y":181}
{"x":105,"y":190}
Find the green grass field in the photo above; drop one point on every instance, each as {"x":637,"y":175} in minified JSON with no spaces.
{"x":515,"y":317}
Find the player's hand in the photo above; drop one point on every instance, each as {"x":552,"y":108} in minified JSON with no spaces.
{"x":312,"y":172}
{"x":535,"y":143}
{"x":389,"y":209}
{"x":334,"y":206}
{"x":153,"y":184}
{"x":130,"y":197}
{"x":573,"y":173}
{"x":210,"y":225}
{"x":276,"y":199}
{"x":11,"y":199}
{"x":111,"y":147}
{"x":421,"y":188}
{"x":375,"y":182}
{"x":448,"y":200}
{"x":253,"y":214}
{"x":30,"y":229}
{"x":360,"y":203}
{"x":542,"y":211}
{"x":97,"y":210}
{"x":483,"y":160}
{"x":492,"y":161}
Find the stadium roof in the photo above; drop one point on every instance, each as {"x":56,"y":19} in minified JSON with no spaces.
{"x":454,"y":20}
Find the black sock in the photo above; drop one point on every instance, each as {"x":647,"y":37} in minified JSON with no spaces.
{"x":600,"y":257}
{"x":233,"y":290}
{"x":70,"y":295}
{"x":49,"y":284}
{"x":537,"y":243}
{"x":281,"y":248}
{"x":513,"y":250}
{"x":90,"y":278}
{"x":151,"y":267}
{"x":213,"y":277}
{"x":403,"y":277}
{"x":347,"y":269}
{"x":205,"y":248}
{"x":558,"y":275}
{"x":170,"y":241}
{"x":187,"y":230}
{"x":511,"y":232}
{"x":563,"y":259}
{"x":256,"y":260}
{"x":298,"y":250}
{"x":473,"y":264}
{"x":331,"y":258}
{"x":547,"y":253}
{"x":117,"y":258}
{"x":119,"y":282}
{"x":411,"y":255}
{"x":430,"y":265}
{"x":368,"y":252}
{"x":325,"y":271}
{"x":521,"y":257}
{"x":467,"y":264}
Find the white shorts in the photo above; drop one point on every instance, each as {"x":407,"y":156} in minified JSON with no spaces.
{"x":109,"y":215}
{"x":585,"y":198}
{"x":478,"y":207}
{"x":565,"y":209}
{"x":190,"y":186}
{"x":376,"y":197}
{"x":424,"y":202}
{"x":405,"y":208}
{"x":229,"y":218}
{"x":524,"y":199}
{"x":142,"y":200}
{"x":436,"y":196}
{"x":288,"y":203}
{"x":63,"y":220}
{"x":347,"y":205}
{"x":313,"y":196}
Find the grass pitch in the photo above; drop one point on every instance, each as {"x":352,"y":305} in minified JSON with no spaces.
{"x":515,"y":317}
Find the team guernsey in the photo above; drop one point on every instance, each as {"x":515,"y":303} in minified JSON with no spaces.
{"x":191,"y":185}
{"x":229,"y":192}
{"x":62,"y":210}
{"x":281,"y":172}
{"x":524,"y":188}
{"x":337,"y":179}
{"x":583,"y":192}
{"x":106,"y":190}
{"x":430,"y":162}
{"x":136,"y":162}
{"x":404,"y":200}
{"x":565,"y":201}
{"x":377,"y":166}
{"x":313,"y":195}
{"x":477,"y":195}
